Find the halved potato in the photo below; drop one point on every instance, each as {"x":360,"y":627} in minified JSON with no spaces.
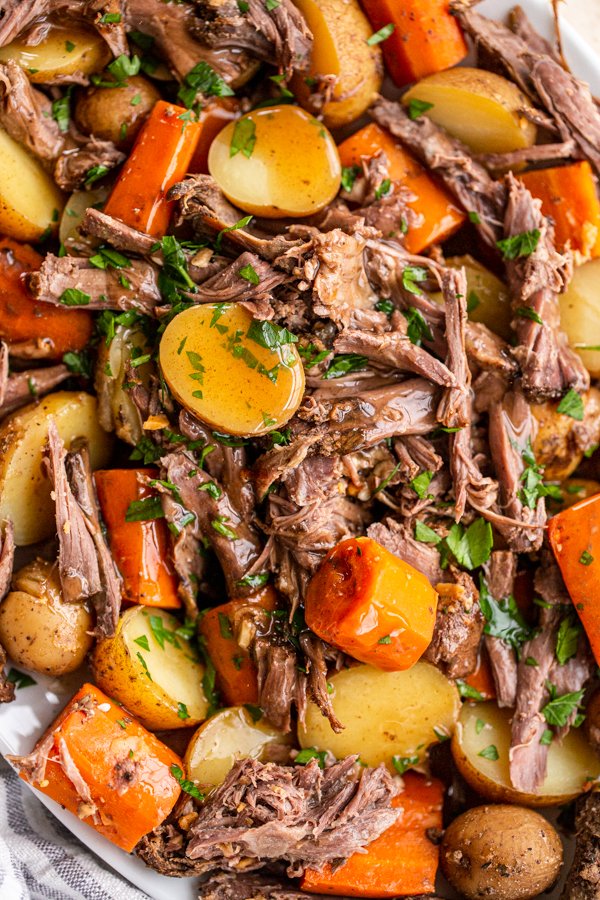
{"x":580,"y":314}
{"x":62,"y":52}
{"x":229,"y":735}
{"x":556,"y":446}
{"x":571,"y":763}
{"x":75,"y":209}
{"x":482,"y":109}
{"x":30,"y":202}
{"x":151,"y":670}
{"x":340,"y":30}
{"x":24,"y":486}
{"x":385,"y":714}
{"x":488,"y":300}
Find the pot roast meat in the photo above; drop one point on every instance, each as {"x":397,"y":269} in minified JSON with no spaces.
{"x":521,"y":25}
{"x":398,"y":538}
{"x":121,"y":236}
{"x":451,"y":161}
{"x":459,"y":622}
{"x":394,"y":349}
{"x":271,"y":886}
{"x":24,"y":387}
{"x":26,"y":113}
{"x":7,"y":558}
{"x":500,"y":578}
{"x":73,"y":166}
{"x":583,"y":882}
{"x":278,"y":36}
{"x":549,"y":367}
{"x":499,"y":163}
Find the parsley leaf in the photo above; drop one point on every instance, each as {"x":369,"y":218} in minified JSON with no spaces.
{"x":269,"y":335}
{"x":95,"y":174}
{"x":559,"y":710}
{"x":243,"y":138}
{"x":381,"y":35}
{"x":249,"y":273}
{"x":518,"y":245}
{"x":78,"y":363}
{"x":74,"y":297}
{"x":383,"y":189}
{"x":254,"y":581}
{"x":567,"y":638}
{"x":182,"y":711}
{"x":467,"y":692}
{"x":420,"y":483}
{"x":305,"y":756}
{"x":345,"y":363}
{"x":61,"y":111}
{"x":503,"y":618}
{"x":142,"y":510}
{"x":410,"y":276}
{"x":472,"y":546}
{"x":20,"y":679}
{"x":526,"y":312}
{"x":571,"y":405}
{"x":586,"y":558}
{"x":202,"y":79}
{"x":403,"y":763}
{"x":424,"y":534}
{"x":188,"y":786}
{"x":416,"y":108}
{"x":220,"y":526}
{"x":474,"y":217}
{"x":490,"y":752}
{"x":418,"y":330}
{"x":349,"y":176}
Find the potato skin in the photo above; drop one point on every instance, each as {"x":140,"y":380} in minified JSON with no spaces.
{"x":506,"y":852}
{"x":340,"y":29}
{"x":38,"y":629}
{"x":555,"y":446}
{"x":104,"y":111}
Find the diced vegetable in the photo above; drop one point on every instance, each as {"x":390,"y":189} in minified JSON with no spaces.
{"x":25,"y":319}
{"x":24,"y":487}
{"x":340,"y":48}
{"x":30,"y":202}
{"x":37,"y":628}
{"x":425,"y":39}
{"x":556,"y":446}
{"x":482,"y":109}
{"x":235,"y":670}
{"x":118,"y":112}
{"x":386,"y":715}
{"x":580,"y":314}
{"x":140,"y":548}
{"x":481,"y":745}
{"x":160,"y":157}
{"x":289,"y":144}
{"x":150,"y":667}
{"x":126,"y":770}
{"x":439,"y":217}
{"x":240,"y":375}
{"x":569,"y":196}
{"x":63,"y":51}
{"x":229,"y":735}
{"x":367,"y":602}
{"x":402,"y":861}
{"x":481,"y":681}
{"x":218,"y":113}
{"x":574,"y":535}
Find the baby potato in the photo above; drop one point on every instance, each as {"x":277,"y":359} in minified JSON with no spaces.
{"x":38,"y":629}
{"x":480,"y":108}
{"x":229,"y":735}
{"x":385,"y":714}
{"x":580,"y":314}
{"x":340,"y":30}
{"x":24,"y":486}
{"x":30,"y":202}
{"x":73,"y":213}
{"x":276,"y":162}
{"x":505,"y":852}
{"x":116,"y":114}
{"x":62,"y":52}
{"x":240,"y":375}
{"x":571,"y":763}
{"x":150,"y":668}
{"x":555,"y":446}
{"x":488,"y":300}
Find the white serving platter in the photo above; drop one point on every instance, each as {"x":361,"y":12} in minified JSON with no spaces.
{"x":24,"y":720}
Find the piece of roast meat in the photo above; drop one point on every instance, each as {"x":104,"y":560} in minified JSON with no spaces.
{"x":306,"y":816}
{"x":7,"y":558}
{"x":73,"y":165}
{"x":466,"y":179}
{"x":398,"y":538}
{"x":26,"y":113}
{"x":583,"y":882}
{"x":135,"y":287}
{"x":549,"y":367}
{"x":113,"y":231}
{"x":500,"y":578}
{"x":522,"y":26}
{"x":19,"y":15}
{"x":459,"y":622}
{"x":278,"y":35}
{"x":23,"y":387}
{"x":500,"y":163}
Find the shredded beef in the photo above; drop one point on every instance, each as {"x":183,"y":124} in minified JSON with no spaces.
{"x":395,"y":350}
{"x":398,"y":538}
{"x":7,"y":556}
{"x":26,"y":113}
{"x":488,"y":352}
{"x":523,"y":28}
{"x":115,"y":232}
{"x":21,"y":388}
{"x":458,"y":627}
{"x":583,"y":882}
{"x":499,"y":163}
{"x":500,"y":578}
{"x":73,"y":165}
{"x":278,"y":36}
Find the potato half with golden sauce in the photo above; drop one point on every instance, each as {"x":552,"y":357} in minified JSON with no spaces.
{"x":63,"y":51}
{"x":240,"y":375}
{"x":276,"y":162}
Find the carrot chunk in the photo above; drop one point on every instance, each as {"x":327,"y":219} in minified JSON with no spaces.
{"x":570,"y":198}
{"x":104,"y":767}
{"x":574,"y":536}
{"x":372,"y":605}
{"x":24,"y":319}
{"x":140,"y":549}
{"x":160,"y":157}
{"x":426,"y":37}
{"x":437,"y":215}
{"x":213,"y":118}
{"x":399,"y":863}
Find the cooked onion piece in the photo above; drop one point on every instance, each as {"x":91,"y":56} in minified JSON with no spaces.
{"x":276,"y":162}
{"x":240,"y":375}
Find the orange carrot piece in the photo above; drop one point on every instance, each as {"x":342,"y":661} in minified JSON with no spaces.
{"x":24,"y":319}
{"x":569,"y":196}
{"x":213,"y":118}
{"x":140,"y":549}
{"x":426,"y":37}
{"x":372,"y":605}
{"x":160,"y":157}
{"x":438,"y":216}
{"x":574,"y":536}
{"x":236,"y":673}
{"x":126,"y":768}
{"x":402,"y":861}
{"x":482,"y":679}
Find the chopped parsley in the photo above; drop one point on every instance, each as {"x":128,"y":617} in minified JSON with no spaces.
{"x":305,"y":756}
{"x":534,"y":486}
{"x":78,"y":363}
{"x":382,"y":35}
{"x":212,"y":489}
{"x":386,"y":639}
{"x":146,"y":451}
{"x":526,"y":312}
{"x":470,"y":546}
{"x":243,"y":138}
{"x":559,"y":710}
{"x":225,"y":626}
{"x":383,"y":189}
{"x":142,"y":641}
{"x":519,"y":245}
{"x":74,"y":297}
{"x":188,"y":786}
{"x":490,"y":752}
{"x":269,"y":335}
{"x":143,"y":510}
{"x":95,"y":174}
{"x":473,"y":301}
{"x":411,"y":275}
{"x":182,"y":711}
{"x":107,"y":257}
{"x":220,"y":526}
{"x":255,"y":712}
{"x":418,"y":330}
{"x":420,"y":484}
{"x":349,"y":176}
{"x":204,"y":80}
{"x":20,"y":679}
{"x":467,"y":692}
{"x":254,"y":581}
{"x":110,"y":18}
{"x":567,"y":638}
{"x":416,"y":108}
{"x":503,"y":618}
{"x":385,"y":306}
{"x":571,"y":405}
{"x":426,"y":535}
{"x":344,"y":364}
{"x":474,"y":217}
{"x":61,"y":111}
{"x":249,"y":273}
{"x":403,"y":763}
{"x":546,"y":738}
{"x":586,"y":558}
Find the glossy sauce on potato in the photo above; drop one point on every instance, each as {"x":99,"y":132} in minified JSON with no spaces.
{"x":276,"y":162}
{"x":215,"y":360}
{"x":62,"y":52}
